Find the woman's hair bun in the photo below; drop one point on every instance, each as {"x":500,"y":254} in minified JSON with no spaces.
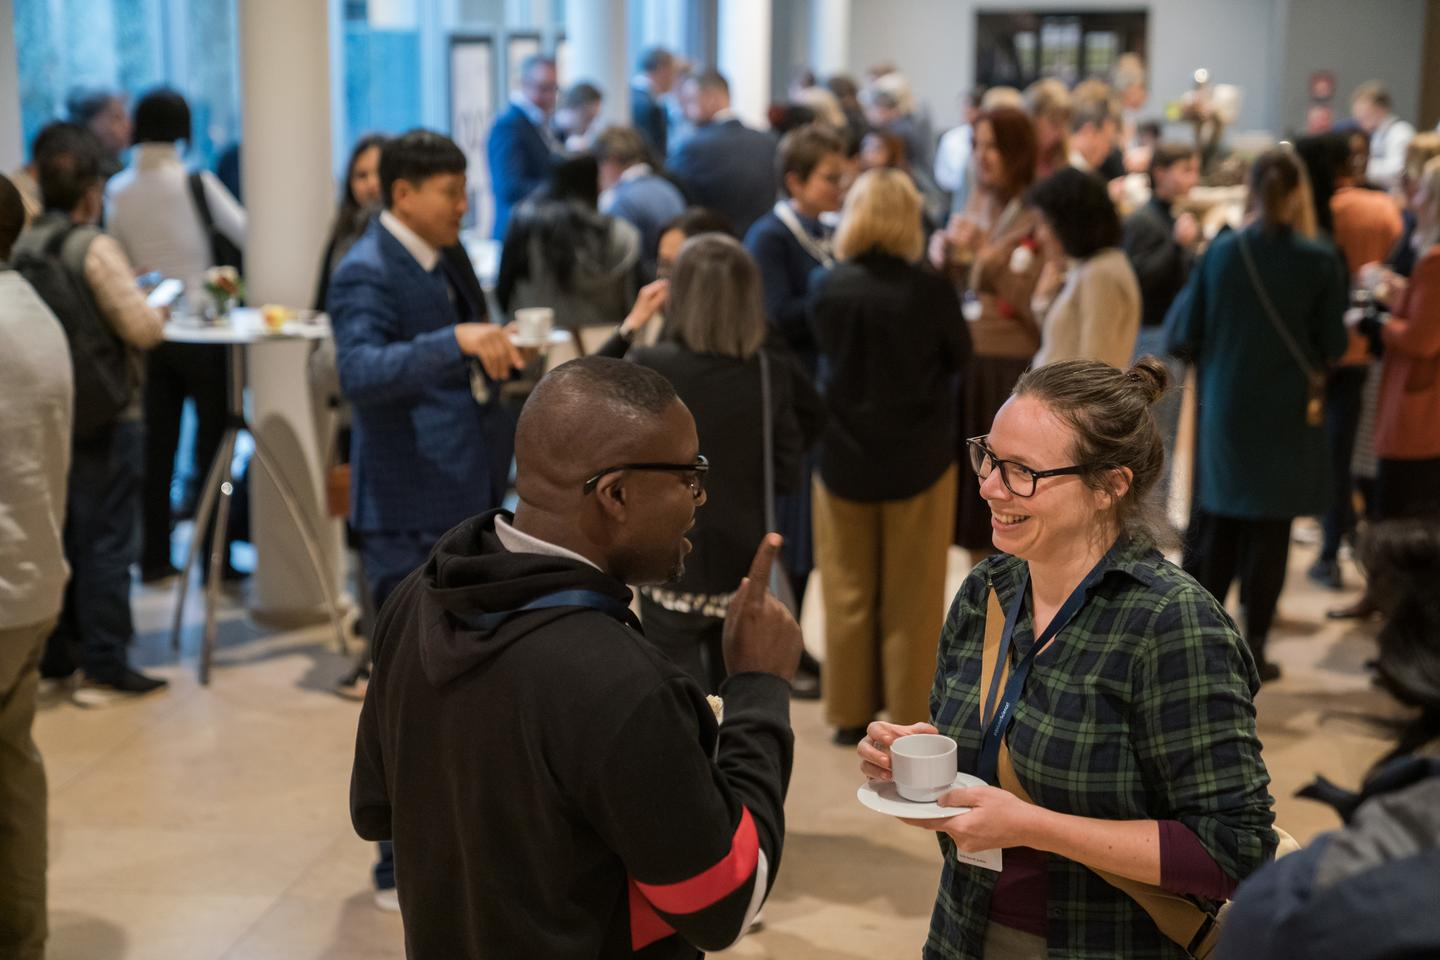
{"x":1150,"y":377}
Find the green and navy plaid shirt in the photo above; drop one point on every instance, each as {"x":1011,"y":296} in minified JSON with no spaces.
{"x":1140,"y":710}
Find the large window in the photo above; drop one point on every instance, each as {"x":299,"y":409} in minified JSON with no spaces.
{"x":1016,"y":48}
{"x":131,"y":45}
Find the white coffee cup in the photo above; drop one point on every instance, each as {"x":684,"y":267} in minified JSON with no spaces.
{"x":923,"y":765}
{"x":533,"y":325}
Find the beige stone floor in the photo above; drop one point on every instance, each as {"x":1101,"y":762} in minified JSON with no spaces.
{"x":202,"y":824}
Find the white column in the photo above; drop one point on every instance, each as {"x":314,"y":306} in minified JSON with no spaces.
{"x":829,"y":37}
{"x":744,"y":58}
{"x":290,"y":200}
{"x":596,"y":32}
{"x":12,"y":151}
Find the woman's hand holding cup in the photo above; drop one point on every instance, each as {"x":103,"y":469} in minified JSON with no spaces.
{"x":874,"y":750}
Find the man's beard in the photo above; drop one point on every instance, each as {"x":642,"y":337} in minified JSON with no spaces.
{"x":676,"y":572}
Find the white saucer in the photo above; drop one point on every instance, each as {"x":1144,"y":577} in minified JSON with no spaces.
{"x":883,"y":797}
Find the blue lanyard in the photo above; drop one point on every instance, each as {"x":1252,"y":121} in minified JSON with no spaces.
{"x":590,"y":599}
{"x":997,"y":717}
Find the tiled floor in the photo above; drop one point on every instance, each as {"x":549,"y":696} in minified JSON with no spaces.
{"x":202,"y":824}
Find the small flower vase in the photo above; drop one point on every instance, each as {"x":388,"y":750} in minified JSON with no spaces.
{"x":217,"y":311}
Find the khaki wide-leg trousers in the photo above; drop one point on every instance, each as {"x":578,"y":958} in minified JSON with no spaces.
{"x":882,"y":574}
{"x":22,"y":796}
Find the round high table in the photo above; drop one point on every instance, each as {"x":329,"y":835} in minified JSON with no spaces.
{"x":244,"y":329}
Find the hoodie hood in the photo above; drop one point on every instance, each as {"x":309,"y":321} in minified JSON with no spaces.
{"x":470,"y":576}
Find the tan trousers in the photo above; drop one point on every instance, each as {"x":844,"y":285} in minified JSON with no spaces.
{"x":882,"y":575}
{"x":22,"y":796}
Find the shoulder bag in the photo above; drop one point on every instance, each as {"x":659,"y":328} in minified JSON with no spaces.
{"x":779,"y":576}
{"x":1314,"y":379}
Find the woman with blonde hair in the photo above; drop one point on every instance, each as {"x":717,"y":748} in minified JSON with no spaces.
{"x":892,"y":341}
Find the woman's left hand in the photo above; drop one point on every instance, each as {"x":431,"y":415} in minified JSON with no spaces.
{"x":996,"y":819}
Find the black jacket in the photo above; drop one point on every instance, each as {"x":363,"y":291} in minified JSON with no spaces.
{"x":1161,"y":265}
{"x":554,"y":786}
{"x":892,"y":341}
{"x":723,"y":394}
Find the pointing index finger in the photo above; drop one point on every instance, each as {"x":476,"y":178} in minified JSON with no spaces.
{"x":764,"y":560}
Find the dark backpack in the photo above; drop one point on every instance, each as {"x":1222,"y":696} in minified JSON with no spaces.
{"x":97,"y":355}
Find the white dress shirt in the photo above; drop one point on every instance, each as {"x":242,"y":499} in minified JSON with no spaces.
{"x":149,"y":210}
{"x":1387,"y":151}
{"x":424,"y":254}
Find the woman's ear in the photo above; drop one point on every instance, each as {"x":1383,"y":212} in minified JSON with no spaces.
{"x":1117,"y":484}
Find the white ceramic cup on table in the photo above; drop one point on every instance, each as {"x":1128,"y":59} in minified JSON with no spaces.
{"x":923,"y":766}
{"x":533,"y":325}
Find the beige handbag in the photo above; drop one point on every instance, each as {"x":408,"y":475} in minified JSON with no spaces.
{"x":1179,"y":918}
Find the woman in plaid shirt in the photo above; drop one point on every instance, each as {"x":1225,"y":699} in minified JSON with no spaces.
{"x":1134,"y":733}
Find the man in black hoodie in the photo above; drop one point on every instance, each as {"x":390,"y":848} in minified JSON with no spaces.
{"x":554,"y":786}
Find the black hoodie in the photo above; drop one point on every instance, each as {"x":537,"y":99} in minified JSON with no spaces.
{"x":555,"y":787}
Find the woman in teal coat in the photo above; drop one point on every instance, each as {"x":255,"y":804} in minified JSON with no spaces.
{"x":1261,"y":319}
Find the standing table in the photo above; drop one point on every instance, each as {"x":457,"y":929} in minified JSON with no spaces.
{"x":244,"y":329}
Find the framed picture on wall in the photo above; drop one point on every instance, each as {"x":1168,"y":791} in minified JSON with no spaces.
{"x":518,"y":46}
{"x":472,"y":109}
{"x":1014,"y":48}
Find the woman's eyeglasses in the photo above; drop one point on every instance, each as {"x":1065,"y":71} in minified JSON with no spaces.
{"x":692,"y":473}
{"x":1018,"y":478}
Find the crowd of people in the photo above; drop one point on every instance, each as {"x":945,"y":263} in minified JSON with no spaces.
{"x":875,"y":341}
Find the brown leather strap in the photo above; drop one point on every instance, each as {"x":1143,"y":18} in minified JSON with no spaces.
{"x":1176,"y":916}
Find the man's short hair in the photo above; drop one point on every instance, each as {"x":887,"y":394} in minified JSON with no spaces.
{"x":161,"y":116}
{"x":1373,"y":91}
{"x":581,"y":94}
{"x":711,"y":79}
{"x":1091,"y":102}
{"x":415,"y":156}
{"x":86,"y":103}
{"x":622,"y":145}
{"x":47,"y":133}
{"x":533,"y":62}
{"x":697,"y":220}
{"x":12,"y":216}
{"x":1047,"y":97}
{"x":802,"y":149}
{"x":603,"y":381}
{"x":653,"y":59}
{"x":68,"y":167}
{"x":1169,"y":153}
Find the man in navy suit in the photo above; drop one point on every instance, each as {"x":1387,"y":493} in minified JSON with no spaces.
{"x":647,"y":114}
{"x":521,"y":147}
{"x":724,"y":165}
{"x":419,"y":364}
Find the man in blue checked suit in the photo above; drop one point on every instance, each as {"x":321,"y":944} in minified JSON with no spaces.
{"x":521,"y":149}
{"x":419,"y":364}
{"x":430,"y":440}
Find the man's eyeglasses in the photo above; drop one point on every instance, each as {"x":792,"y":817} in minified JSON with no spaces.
{"x":1018,"y":478}
{"x":692,"y":473}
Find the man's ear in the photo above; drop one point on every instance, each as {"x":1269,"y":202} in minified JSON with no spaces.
{"x":611,"y":495}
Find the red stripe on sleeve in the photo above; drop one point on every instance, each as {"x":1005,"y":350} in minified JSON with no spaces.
{"x":646,"y":926}
{"x":716,"y":883}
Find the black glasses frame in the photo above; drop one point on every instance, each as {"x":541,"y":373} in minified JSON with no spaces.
{"x":980,"y":452}
{"x":699,"y":468}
